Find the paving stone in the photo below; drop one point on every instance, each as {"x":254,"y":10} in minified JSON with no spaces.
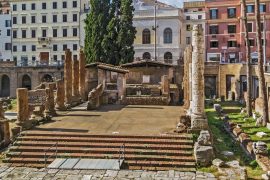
{"x":49,"y":176}
{"x":111,"y":173}
{"x":53,"y":171}
{"x":171,"y":173}
{"x":36,"y":175}
{"x":74,"y":177}
{"x":14,"y":175}
{"x":134,"y":174}
{"x":148,"y":174}
{"x":86,"y":177}
{"x":59,"y":177}
{"x":162,"y":174}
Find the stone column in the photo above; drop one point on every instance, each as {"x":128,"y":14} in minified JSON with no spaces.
{"x":198,"y":118}
{"x":2,"y":112}
{"x":4,"y":124}
{"x":82,"y":76}
{"x":121,"y":84}
{"x":75,"y":79}
{"x":22,"y":106}
{"x":68,"y":77}
{"x":60,"y":95}
{"x":165,"y":85}
{"x":186,"y":78}
{"x":50,"y":107}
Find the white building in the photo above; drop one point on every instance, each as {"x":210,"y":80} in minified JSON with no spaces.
{"x":168,"y":33}
{"x":43,"y":29}
{"x":5,"y":37}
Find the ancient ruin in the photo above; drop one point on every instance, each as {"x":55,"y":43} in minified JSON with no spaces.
{"x":68,"y":77}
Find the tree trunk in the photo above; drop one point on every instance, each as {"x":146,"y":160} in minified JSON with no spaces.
{"x":263,"y":93}
{"x":249,"y":107}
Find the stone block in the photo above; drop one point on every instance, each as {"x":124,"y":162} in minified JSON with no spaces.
{"x":203,"y":154}
{"x":244,"y":138}
{"x":237,"y":131}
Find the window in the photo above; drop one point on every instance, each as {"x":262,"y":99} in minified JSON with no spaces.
{"x":214,"y":44}
{"x":167,"y":36}
{"x":54,"y":18}
{"x":146,"y":36}
{"x":213,"y":13}
{"x":44,"y":32}
{"x":188,"y":27}
{"x":74,"y":4}
{"x":231,"y":29}
{"x":168,"y":56}
{"x":75,"y":47}
{"x":33,"y":19}
{"x":250,"y":27}
{"x":188,"y":40}
{"x":146,"y":55}
{"x":213,"y":29}
{"x":250,"y":8}
{"x":23,"y":7}
{"x":14,"y":48}
{"x":23,"y":33}
{"x":23,"y":19}
{"x":33,"y":58}
{"x":15,"y":58}
{"x":44,"y":6}
{"x":55,"y":47}
{"x":74,"y":17}
{"x":75,"y":32}
{"x":262,"y":8}
{"x":54,"y":5}
{"x":33,"y":48}
{"x":8,"y":23}
{"x":199,"y":16}
{"x":55,"y":57}
{"x":14,"y":7}
{"x":187,"y":17}
{"x":251,"y":42}
{"x":44,"y":19}
{"x":14,"y":35}
{"x":33,"y":33}
{"x":54,"y":32}
{"x":64,"y":47}
{"x":231,"y":12}
{"x":64,"y":4}
{"x":64,"y":18}
{"x":232,"y":43}
{"x":64,"y":32}
{"x":62,"y":57}
{"x":262,"y":26}
{"x":8,"y":32}
{"x":14,"y":20}
{"x":24,"y":48}
{"x":7,"y":46}
{"x":33,"y":6}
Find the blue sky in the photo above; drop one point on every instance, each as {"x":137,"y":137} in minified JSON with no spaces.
{"x":177,"y":3}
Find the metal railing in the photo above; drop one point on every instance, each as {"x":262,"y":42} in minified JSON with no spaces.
{"x":121,"y":154}
{"x":54,"y":154}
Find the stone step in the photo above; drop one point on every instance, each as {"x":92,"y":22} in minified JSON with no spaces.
{"x":40,"y":155}
{"x":148,"y":168}
{"x":71,"y":134}
{"x":104,"y":145}
{"x":99,"y":150}
{"x":106,"y":140}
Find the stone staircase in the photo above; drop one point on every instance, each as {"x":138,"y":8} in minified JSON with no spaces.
{"x":164,"y":152}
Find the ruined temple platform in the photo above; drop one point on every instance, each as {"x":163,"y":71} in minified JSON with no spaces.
{"x":118,"y":119}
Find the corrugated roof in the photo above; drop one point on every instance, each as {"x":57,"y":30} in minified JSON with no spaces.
{"x":194,"y":4}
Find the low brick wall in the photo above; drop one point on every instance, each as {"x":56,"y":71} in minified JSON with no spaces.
{"x":146,"y":101}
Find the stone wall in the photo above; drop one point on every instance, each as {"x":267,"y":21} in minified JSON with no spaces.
{"x":146,"y":101}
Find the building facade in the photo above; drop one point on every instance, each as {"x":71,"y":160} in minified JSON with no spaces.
{"x":42,"y":30}
{"x":5,"y":36}
{"x":166,"y":38}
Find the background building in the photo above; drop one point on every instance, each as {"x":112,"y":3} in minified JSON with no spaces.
{"x":168,"y":32}
{"x":42,"y":30}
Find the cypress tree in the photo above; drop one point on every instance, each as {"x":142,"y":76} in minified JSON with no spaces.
{"x":127,"y":32}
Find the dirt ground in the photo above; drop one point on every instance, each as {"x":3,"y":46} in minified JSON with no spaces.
{"x":114,"y":119}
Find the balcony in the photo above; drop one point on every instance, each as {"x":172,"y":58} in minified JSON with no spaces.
{"x":44,"y":40}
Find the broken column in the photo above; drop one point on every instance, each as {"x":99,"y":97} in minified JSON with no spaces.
{"x":186,"y":79}
{"x":60,"y":95}
{"x":68,"y":77}
{"x":165,"y":85}
{"x":22,"y":106}
{"x":75,"y":78}
{"x":198,"y":118}
{"x":82,"y":76}
{"x":121,"y":85}
{"x":50,"y":107}
{"x":4,"y":128}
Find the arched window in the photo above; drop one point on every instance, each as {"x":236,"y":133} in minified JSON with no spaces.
{"x":168,"y":56}
{"x":146,"y":55}
{"x":5,"y":86}
{"x":146,"y":36}
{"x":167,"y":35}
{"x":26,"y":82}
{"x":47,"y":78}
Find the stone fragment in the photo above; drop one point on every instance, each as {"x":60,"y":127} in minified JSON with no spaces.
{"x":203,"y":154}
{"x":244,"y":138}
{"x":218,"y":108}
{"x":204,"y":138}
{"x":261,"y":134}
{"x":259,"y":121}
{"x":180,"y":128}
{"x":268,"y":126}
{"x":237,"y":131}
{"x":218,"y":162}
{"x":260,"y":148}
{"x":265,"y":177}
{"x":185,"y":120}
{"x":234,"y":164}
{"x":227,"y":153}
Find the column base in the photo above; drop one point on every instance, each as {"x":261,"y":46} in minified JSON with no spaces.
{"x":199,"y":122}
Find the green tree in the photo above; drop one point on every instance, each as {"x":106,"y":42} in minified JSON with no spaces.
{"x":127,"y":32}
{"x":95,"y":30}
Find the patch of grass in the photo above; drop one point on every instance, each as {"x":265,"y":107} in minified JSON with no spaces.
{"x":13,"y":105}
{"x":224,"y":142}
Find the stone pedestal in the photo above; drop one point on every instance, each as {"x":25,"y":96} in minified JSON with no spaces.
{"x":60,"y":95}
{"x":198,"y":118}
{"x":121,"y":84}
{"x":4,"y":124}
{"x":75,"y":78}
{"x":50,"y":107}
{"x":165,"y":85}
{"x":82,"y":76}
{"x":22,"y":106}
{"x":68,"y":77}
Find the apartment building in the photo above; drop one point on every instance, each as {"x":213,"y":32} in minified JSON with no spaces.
{"x":166,"y":38}
{"x":43,"y":30}
{"x":5,"y":35}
